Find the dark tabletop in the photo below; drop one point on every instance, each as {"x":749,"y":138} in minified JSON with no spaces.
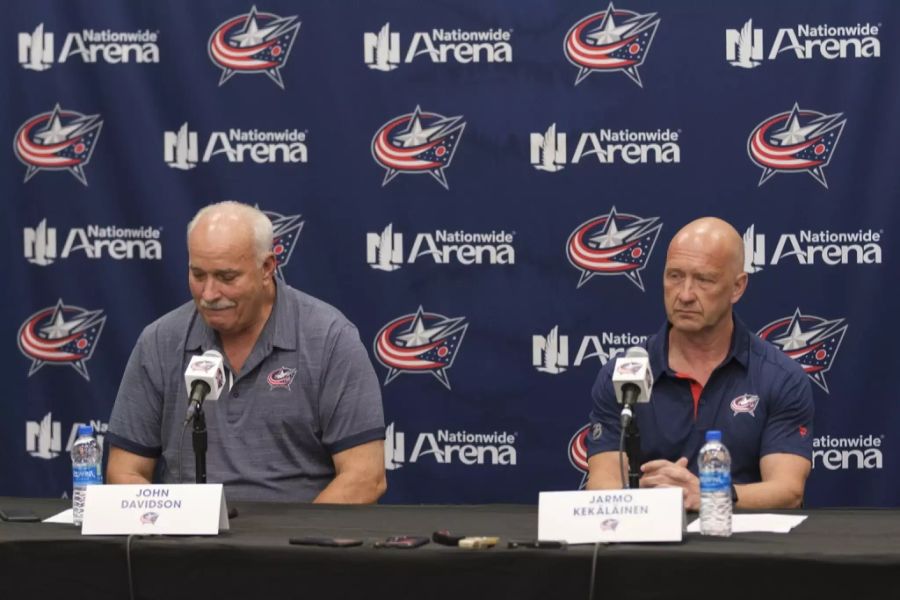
{"x":833,"y":554}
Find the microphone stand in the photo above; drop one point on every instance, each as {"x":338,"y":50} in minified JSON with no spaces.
{"x":633,"y":450}
{"x":200,"y":442}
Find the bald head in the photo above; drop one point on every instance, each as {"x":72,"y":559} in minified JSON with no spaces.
{"x":703,"y":278}
{"x":714,"y":237}
{"x":234,"y":220}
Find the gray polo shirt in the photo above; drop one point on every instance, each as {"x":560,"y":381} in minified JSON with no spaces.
{"x":307,"y":391}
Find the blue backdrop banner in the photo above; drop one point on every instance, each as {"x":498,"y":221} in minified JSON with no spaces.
{"x":499,"y":178}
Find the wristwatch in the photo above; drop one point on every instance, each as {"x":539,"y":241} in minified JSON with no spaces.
{"x":734,"y":497}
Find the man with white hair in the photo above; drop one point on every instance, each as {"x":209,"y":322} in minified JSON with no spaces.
{"x":300,"y":417}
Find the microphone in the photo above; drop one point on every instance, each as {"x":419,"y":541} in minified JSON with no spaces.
{"x":204,"y":378}
{"x":632,"y":381}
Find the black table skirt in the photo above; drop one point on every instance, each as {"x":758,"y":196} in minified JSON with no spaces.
{"x":846,"y":554}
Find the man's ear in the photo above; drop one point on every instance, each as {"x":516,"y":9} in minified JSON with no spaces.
{"x":268,"y":266}
{"x":740,"y":286}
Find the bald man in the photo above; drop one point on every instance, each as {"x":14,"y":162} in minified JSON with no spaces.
{"x":300,"y":418}
{"x":710,"y":372}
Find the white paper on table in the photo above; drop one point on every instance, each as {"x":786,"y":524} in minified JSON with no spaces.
{"x":63,"y":517}
{"x":766,"y":522}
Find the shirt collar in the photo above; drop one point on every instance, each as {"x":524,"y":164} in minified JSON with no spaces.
{"x":277,"y":332}
{"x":658,"y":348}
{"x":284,"y":316}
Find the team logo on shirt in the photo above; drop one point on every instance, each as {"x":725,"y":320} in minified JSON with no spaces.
{"x":810,"y":340}
{"x":613,"y":244}
{"x":609,"y":41}
{"x":253,"y":43}
{"x":59,"y":140}
{"x":578,"y":449}
{"x":281,"y":378}
{"x":420,"y":343}
{"x":745,"y":403}
{"x":61,"y":335}
{"x":285,"y":234}
{"x":149,"y":518}
{"x":796,"y":141}
{"x":416,"y":143}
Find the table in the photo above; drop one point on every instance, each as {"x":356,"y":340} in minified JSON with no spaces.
{"x":846,"y":554}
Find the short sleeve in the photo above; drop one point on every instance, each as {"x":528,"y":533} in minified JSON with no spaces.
{"x":350,"y":409}
{"x":789,"y":428}
{"x":136,"y":421}
{"x":605,"y":427}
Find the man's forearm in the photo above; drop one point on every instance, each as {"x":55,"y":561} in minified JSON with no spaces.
{"x":605,"y":471}
{"x":768,"y":494}
{"x":349,"y":489}
{"x":125,"y":477}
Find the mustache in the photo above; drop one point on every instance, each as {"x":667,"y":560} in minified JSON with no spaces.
{"x":217,"y":305}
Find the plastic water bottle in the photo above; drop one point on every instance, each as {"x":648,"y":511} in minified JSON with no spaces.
{"x":86,"y":464}
{"x":715,"y":486}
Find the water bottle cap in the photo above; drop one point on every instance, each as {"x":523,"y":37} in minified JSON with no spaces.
{"x":713,"y":435}
{"x":85,"y":430}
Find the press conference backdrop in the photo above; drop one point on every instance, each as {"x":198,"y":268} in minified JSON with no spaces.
{"x":486,"y":189}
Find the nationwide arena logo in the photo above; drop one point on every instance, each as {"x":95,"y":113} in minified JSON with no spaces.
{"x":810,"y":340}
{"x":36,"y":49}
{"x":550,"y":353}
{"x":745,"y":48}
{"x":795,"y":141}
{"x":43,"y":439}
{"x":420,"y":343}
{"x":608,"y":146}
{"x":94,"y":241}
{"x":578,"y":457}
{"x":61,"y":335}
{"x":59,"y":140}
{"x":285,"y":235}
{"x":384,"y":250}
{"x":253,"y":43}
{"x":383,"y":52}
{"x":288,"y":146}
{"x":861,"y":452}
{"x":416,"y":143}
{"x":813,"y":247}
{"x":613,"y":244}
{"x":447,"y":446}
{"x":610,"y":41}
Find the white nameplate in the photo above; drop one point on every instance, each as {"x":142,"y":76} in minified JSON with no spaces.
{"x":587,"y":517}
{"x":183,"y":509}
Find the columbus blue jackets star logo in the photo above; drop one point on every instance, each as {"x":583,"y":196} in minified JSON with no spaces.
{"x":796,"y":141}
{"x":59,"y":140}
{"x":811,"y":341}
{"x":420,"y":343}
{"x":253,"y":43}
{"x":613,"y":244}
{"x":609,"y":41}
{"x":578,"y":452}
{"x":281,"y":378}
{"x":416,"y":143}
{"x":285,"y":234}
{"x":61,"y":335}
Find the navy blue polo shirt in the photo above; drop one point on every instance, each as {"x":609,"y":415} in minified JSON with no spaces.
{"x":757,"y":397}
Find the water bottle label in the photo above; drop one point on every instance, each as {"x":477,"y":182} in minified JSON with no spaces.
{"x":86,"y":475}
{"x":715,"y":482}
